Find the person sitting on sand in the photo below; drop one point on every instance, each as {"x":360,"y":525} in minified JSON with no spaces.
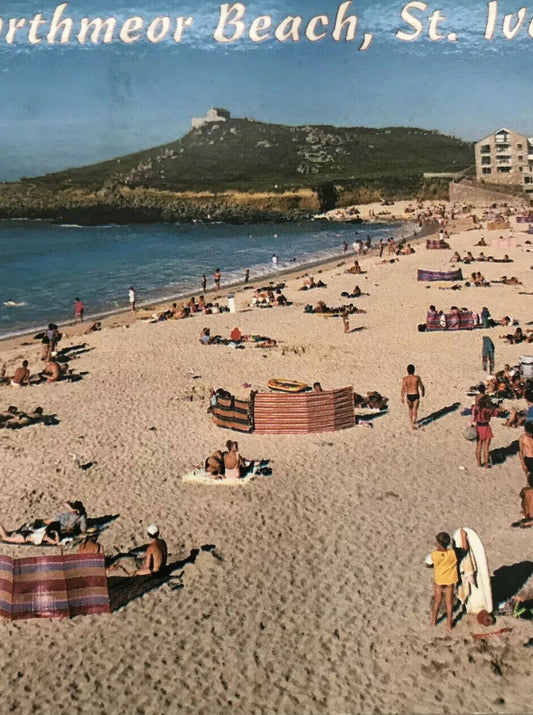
{"x":90,"y":544}
{"x":73,"y":520}
{"x":53,"y":371}
{"x":481,"y":242}
{"x":214,"y":464}
{"x":235,"y":335}
{"x":456,"y":258}
{"x":469,"y":258}
{"x":155,"y":559}
{"x":21,"y":376}
{"x":317,"y":387}
{"x":94,"y":327}
{"x":45,"y":534}
{"x":526,"y":498}
{"x":281,"y":299}
{"x":205,"y":336}
{"x":234,"y":464}
{"x":356,"y":268}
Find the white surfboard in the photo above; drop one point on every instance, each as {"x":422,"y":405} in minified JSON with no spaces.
{"x":475,"y":575}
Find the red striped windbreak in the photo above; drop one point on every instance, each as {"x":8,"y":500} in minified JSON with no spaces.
{"x":53,"y":586}
{"x":284,"y":413}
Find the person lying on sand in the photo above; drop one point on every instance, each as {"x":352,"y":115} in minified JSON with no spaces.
{"x":356,"y":293}
{"x":94,"y":327}
{"x":15,"y":419}
{"x":514,"y":338}
{"x":156,"y":554}
{"x":45,"y":533}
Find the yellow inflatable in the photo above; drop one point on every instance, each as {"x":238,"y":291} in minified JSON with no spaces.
{"x":282,"y":385}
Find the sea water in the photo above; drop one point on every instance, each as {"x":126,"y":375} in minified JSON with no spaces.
{"x":44,"y":267}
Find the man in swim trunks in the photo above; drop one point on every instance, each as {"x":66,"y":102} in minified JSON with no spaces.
{"x":526,"y":448}
{"x":156,"y":554}
{"x":21,"y":376}
{"x":526,"y":496}
{"x":412,"y":390}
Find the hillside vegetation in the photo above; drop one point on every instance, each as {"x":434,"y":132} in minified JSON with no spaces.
{"x":205,"y":174}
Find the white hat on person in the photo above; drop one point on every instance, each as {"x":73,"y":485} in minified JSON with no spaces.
{"x":153,"y":530}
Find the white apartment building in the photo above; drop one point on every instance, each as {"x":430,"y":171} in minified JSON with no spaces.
{"x":505,"y":157}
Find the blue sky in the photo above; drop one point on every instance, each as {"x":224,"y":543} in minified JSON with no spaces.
{"x":70,"y":105}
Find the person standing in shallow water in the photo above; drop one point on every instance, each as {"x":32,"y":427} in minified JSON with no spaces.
{"x":216,"y":277}
{"x":204,"y":283}
{"x":132,"y":297}
{"x":412,"y":390}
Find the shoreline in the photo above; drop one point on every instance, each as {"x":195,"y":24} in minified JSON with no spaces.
{"x":123,"y":316}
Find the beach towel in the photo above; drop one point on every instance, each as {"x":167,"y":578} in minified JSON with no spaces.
{"x":455,"y":275}
{"x":53,"y":586}
{"x":200,"y":476}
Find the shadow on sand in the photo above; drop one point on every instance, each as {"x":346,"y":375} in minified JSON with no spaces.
{"x":507,"y":580}
{"x":434,"y":416}
{"x":500,"y":454}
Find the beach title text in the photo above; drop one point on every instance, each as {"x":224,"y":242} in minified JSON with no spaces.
{"x":235,"y":23}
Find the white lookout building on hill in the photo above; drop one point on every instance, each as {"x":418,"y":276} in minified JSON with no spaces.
{"x":216,"y":114}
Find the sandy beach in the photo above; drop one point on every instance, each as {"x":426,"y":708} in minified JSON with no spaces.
{"x":315,"y":598}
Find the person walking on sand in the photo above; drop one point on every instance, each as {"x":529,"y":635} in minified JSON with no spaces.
{"x":412,"y":390}
{"x":444,"y":561}
{"x":487,"y":354}
{"x":216,"y":277}
{"x":246,"y":275}
{"x":132,"y":297}
{"x":346,"y":321}
{"x":79,"y":310}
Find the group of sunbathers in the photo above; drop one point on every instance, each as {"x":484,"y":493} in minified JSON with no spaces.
{"x":269,"y":297}
{"x":13,"y":418}
{"x":310,"y":283}
{"x":469,"y":258}
{"x":72,"y":524}
{"x":190,"y":308}
{"x":236,"y":339}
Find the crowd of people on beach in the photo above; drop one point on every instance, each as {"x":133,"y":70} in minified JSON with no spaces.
{"x":72,"y":523}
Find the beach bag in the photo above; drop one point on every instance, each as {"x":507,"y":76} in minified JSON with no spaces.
{"x":470,"y":433}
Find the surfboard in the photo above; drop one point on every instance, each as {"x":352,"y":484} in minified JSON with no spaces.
{"x":480,"y":595}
